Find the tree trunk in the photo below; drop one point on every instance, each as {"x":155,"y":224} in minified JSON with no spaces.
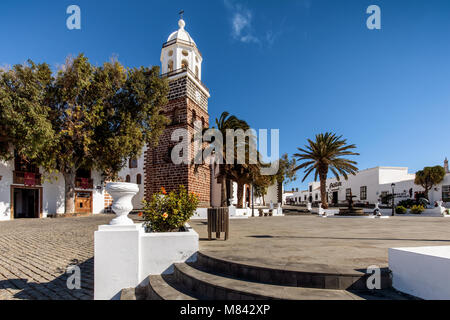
{"x":69,"y":191}
{"x":323,"y":187}
{"x":240,"y":195}
{"x":280,"y":192}
{"x":223,"y":191}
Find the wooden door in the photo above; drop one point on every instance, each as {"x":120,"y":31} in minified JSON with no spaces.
{"x":83,"y":202}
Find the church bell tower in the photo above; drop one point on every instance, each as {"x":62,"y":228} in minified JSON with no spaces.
{"x":181,"y":64}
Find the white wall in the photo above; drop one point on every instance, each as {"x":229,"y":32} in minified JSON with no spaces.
{"x":52,"y":192}
{"x":133,"y":172}
{"x":6,"y":171}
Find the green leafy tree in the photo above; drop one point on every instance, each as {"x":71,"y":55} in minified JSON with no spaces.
{"x":96,"y":117}
{"x":326,"y":154}
{"x":24,"y":114}
{"x":429,"y":177}
{"x":286,"y":174}
{"x":261,"y":185}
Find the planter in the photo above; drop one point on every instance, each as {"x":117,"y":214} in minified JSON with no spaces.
{"x":125,"y":256}
{"x":122,"y":194}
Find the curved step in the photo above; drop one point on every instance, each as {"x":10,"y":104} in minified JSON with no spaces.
{"x":164,"y":287}
{"x":302,"y":275}
{"x":220,"y":287}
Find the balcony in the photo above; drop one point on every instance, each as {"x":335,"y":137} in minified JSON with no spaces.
{"x":34,"y":179}
{"x":84,"y":183}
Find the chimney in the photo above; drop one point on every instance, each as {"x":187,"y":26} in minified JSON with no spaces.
{"x":446,"y":165}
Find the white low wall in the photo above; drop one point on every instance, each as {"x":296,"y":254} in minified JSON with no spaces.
{"x":124,"y":256}
{"x":422,"y":272}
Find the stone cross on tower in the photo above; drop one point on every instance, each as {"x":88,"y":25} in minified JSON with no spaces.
{"x":181,"y":14}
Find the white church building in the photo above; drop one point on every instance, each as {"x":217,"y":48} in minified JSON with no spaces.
{"x":27,"y":192}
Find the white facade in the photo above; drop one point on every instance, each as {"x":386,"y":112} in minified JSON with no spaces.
{"x":369,"y":186}
{"x":136,"y":175}
{"x":49,"y":194}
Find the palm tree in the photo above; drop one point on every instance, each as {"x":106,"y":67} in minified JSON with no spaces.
{"x":323,"y":155}
{"x":224,"y":123}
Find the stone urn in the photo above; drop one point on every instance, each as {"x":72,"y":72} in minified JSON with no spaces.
{"x":122,"y":194}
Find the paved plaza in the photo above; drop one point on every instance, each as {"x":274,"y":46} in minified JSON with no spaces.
{"x":312,"y":242}
{"x":34,"y":254}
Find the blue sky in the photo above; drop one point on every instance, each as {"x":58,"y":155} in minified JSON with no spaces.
{"x":304,"y":66}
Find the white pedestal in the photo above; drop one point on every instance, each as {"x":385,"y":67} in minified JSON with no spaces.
{"x":125,"y":256}
{"x":422,"y":272}
{"x":116,"y":260}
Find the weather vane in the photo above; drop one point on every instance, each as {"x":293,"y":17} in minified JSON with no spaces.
{"x":181,"y":14}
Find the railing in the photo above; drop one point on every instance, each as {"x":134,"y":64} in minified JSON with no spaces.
{"x":182,"y":70}
{"x":84,"y":183}
{"x":171,"y":42}
{"x":19,"y":178}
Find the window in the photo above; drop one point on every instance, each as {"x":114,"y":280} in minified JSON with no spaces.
{"x":317,"y":196}
{"x":446,"y":193}
{"x":128,"y":178}
{"x":363,"y":193}
{"x":22,"y":165}
{"x":194,"y":116}
{"x":170,"y":66}
{"x":310,"y":188}
{"x":83,"y":173}
{"x":139,"y":179}
{"x":196,"y":71}
{"x":133,"y":164}
{"x":348,"y":193}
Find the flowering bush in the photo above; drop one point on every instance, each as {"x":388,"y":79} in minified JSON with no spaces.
{"x":417,"y":209}
{"x":168,"y":212}
{"x":400,"y":210}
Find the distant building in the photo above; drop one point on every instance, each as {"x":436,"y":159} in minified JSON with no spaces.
{"x":372,"y":185}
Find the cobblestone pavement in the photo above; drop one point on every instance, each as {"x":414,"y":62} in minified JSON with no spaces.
{"x":35,"y":254}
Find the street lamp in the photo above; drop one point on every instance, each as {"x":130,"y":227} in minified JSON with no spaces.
{"x":393,"y":198}
{"x":253,"y":200}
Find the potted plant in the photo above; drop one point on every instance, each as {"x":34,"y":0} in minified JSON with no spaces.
{"x":261,"y":213}
{"x":168,"y":239}
{"x":169,"y":212}
{"x":400,"y":210}
{"x":417,"y":209}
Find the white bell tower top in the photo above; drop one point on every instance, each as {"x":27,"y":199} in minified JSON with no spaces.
{"x":180,"y":52}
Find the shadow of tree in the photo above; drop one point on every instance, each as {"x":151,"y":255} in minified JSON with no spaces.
{"x":57,"y":289}
{"x":343,"y":238}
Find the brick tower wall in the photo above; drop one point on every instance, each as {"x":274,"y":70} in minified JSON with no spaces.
{"x":185,"y":106}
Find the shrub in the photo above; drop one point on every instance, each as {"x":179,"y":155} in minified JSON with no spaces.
{"x":407,"y":203}
{"x":417,"y":209}
{"x":168,"y":212}
{"x":400,"y":210}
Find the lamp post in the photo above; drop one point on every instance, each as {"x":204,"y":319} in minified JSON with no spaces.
{"x":253,"y":201}
{"x":393,"y":199}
